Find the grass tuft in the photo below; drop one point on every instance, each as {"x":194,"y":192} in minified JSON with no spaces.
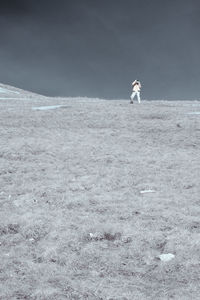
{"x":35,"y":231}
{"x":9,"y":229}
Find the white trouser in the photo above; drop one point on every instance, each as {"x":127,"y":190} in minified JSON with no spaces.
{"x":133,"y":95}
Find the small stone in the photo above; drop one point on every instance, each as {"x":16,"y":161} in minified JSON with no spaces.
{"x":166,"y":257}
{"x":127,"y":239}
{"x":147,"y":191}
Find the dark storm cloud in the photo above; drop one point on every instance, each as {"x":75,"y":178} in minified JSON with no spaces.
{"x":14,"y":7}
{"x":96,"y":48}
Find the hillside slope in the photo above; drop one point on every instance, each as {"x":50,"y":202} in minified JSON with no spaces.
{"x":7,"y":91}
{"x":92,"y":193}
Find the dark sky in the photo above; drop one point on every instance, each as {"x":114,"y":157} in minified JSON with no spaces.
{"x":97,"y":48}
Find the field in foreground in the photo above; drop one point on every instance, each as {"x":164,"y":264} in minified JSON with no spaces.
{"x":75,"y":222}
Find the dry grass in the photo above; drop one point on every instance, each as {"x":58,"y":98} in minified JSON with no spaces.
{"x":73,"y":223}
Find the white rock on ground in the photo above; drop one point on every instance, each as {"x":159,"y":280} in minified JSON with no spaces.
{"x":166,"y":257}
{"x":147,"y":191}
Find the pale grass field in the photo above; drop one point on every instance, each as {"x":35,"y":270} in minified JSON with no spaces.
{"x":73,"y":221}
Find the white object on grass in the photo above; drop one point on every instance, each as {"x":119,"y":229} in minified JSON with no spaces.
{"x":47,"y":107}
{"x":166,"y":257}
{"x":7,"y":98}
{"x":194,"y":113}
{"x":193,"y":105}
{"x":6,"y":91}
{"x":147,"y":191}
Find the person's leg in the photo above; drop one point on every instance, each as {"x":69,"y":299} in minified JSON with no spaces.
{"x":132,"y":97}
{"x":138,"y":97}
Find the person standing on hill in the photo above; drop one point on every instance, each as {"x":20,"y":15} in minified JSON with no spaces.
{"x":136,"y":86}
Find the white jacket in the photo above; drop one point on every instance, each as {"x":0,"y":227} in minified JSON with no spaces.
{"x":136,"y":85}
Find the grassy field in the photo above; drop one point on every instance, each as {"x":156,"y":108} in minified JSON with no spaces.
{"x":73,"y":221}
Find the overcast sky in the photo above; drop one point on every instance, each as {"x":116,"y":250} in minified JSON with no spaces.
{"x":97,"y":48}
